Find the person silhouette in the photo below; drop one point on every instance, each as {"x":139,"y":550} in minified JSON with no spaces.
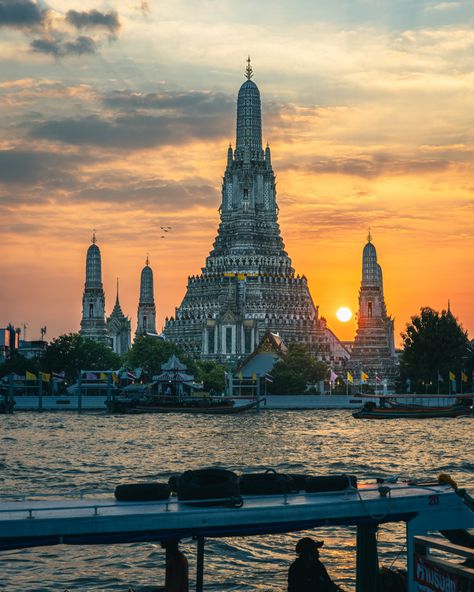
{"x":177,"y":572}
{"x":307,"y":573}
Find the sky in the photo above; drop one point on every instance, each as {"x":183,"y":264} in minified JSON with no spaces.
{"x":116,"y":116}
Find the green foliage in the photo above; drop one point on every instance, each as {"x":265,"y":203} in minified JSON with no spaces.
{"x":19,"y":365}
{"x":433,"y":342}
{"x":72,"y":353}
{"x":292,"y":374}
{"x":150,"y":353}
{"x":212,"y":375}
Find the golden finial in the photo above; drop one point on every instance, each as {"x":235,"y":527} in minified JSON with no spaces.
{"x":248,"y":70}
{"x":93,"y":236}
{"x":369,"y":236}
{"x":147,"y":260}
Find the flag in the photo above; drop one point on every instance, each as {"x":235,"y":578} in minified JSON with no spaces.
{"x":333,"y":376}
{"x":268,"y":378}
{"x":45,"y":376}
{"x":90,"y":376}
{"x":254,"y":376}
{"x":30,"y":376}
{"x":58,"y":376}
{"x":103,"y":376}
{"x":378,"y":378}
{"x":115,"y":378}
{"x":464,"y":377}
{"x":349,"y":377}
{"x":452,"y":376}
{"x":440,"y":378}
{"x":364,"y":376}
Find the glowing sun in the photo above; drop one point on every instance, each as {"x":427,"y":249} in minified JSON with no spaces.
{"x":344,"y":314}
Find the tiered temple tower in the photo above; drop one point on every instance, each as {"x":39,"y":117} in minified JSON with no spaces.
{"x":374,"y":347}
{"x":248,"y":285}
{"x":146,"y":318}
{"x":93,"y":301}
{"x":119,"y":328}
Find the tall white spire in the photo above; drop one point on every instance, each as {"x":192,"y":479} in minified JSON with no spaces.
{"x":146,"y":317}
{"x":93,"y":301}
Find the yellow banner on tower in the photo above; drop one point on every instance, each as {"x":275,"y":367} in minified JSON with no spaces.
{"x":103,"y":376}
{"x":45,"y":377}
{"x":464,"y":377}
{"x":452,"y":376}
{"x":364,"y":376}
{"x":349,"y":377}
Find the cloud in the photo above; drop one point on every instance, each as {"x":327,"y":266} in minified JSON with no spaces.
{"x":94,"y":19}
{"x":369,"y":166}
{"x":58,"y":47}
{"x":194,"y":102}
{"x":443,"y":6}
{"x":21,"y":14}
{"x":20,"y":167}
{"x":194,"y":116}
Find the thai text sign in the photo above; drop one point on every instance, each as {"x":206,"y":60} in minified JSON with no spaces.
{"x":430,"y":577}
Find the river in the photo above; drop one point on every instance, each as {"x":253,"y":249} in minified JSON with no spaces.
{"x":59,"y":453}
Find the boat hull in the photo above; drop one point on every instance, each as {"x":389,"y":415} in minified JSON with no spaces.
{"x":412,"y":413}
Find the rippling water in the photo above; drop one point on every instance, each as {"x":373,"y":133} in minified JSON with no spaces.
{"x":57,"y":453}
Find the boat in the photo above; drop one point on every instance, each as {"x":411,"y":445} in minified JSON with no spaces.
{"x":424,"y":506}
{"x":390,"y":408}
{"x":171,"y":404}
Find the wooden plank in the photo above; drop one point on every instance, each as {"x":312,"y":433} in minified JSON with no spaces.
{"x":435,"y":543}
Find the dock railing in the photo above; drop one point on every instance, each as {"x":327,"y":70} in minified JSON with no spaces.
{"x":432,"y":572}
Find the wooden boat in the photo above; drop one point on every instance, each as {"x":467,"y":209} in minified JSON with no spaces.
{"x":394,"y":410}
{"x":201,"y":405}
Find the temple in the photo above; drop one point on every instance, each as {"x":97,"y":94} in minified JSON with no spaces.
{"x":248,"y":285}
{"x":146,"y":316}
{"x":373,"y":351}
{"x":119,"y":328}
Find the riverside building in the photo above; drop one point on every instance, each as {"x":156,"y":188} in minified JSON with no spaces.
{"x":248,"y":285}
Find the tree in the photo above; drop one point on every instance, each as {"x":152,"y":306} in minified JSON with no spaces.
{"x":434,"y":344}
{"x":72,"y":352}
{"x":211,"y":374}
{"x":292,"y":374}
{"x":149,"y":353}
{"x":18,"y":364}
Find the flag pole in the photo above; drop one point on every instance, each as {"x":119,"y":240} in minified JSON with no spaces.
{"x":438,"y":380}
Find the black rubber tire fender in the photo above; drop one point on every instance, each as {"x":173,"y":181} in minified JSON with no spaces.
{"x":142,"y":492}
{"x":268,"y":483}
{"x":207,"y":484}
{"x":325,"y":483}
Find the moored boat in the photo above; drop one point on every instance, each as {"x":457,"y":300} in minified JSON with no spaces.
{"x":390,"y":409}
{"x":163,"y":404}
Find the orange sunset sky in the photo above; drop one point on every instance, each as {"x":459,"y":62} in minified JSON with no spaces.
{"x":117,"y":116}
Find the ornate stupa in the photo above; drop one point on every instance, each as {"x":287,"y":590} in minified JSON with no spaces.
{"x":248,"y":284}
{"x":146,"y":317}
{"x":93,"y":301}
{"x":373,"y":351}
{"x":119,"y":328}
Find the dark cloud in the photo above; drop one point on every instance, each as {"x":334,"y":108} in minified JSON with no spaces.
{"x":30,"y":167}
{"x":94,"y":19}
{"x":159,"y":194}
{"x":59,"y":48}
{"x":21,"y":14}
{"x":193,"y":102}
{"x":133,"y":130}
{"x":370,"y":166}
